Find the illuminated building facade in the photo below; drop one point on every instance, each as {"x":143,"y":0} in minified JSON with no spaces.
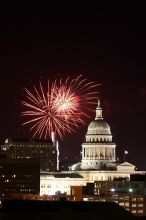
{"x":98,"y":151}
{"x":45,"y":151}
{"x":59,"y":183}
{"x":98,"y":160}
{"x":99,"y":154}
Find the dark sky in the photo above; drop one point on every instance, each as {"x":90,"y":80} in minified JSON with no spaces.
{"x":107,"y":45}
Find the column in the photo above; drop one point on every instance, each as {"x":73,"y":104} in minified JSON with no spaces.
{"x":114,"y":153}
{"x":94,"y":153}
{"x":87,"y":152}
{"x":99,"y":153}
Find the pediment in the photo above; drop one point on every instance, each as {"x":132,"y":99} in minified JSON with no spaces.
{"x":125,"y":164}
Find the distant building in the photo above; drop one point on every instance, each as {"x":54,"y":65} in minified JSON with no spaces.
{"x":128,"y":194}
{"x":45,"y":151}
{"x":19,"y":176}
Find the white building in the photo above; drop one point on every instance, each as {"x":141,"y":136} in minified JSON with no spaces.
{"x":56,"y":183}
{"x":99,"y":150}
{"x":98,"y":161}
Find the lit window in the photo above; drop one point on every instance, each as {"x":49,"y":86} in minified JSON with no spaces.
{"x":133,"y":205}
{"x":121,"y":203}
{"x":140,"y":205}
{"x":121,"y":197}
{"x":133,"y":211}
{"x":140,"y":199}
{"x":140,"y":211}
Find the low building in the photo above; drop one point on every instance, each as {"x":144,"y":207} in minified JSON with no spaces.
{"x":131,"y":195}
{"x":59,"y":183}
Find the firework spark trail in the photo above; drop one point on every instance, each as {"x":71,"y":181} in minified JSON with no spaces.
{"x":60,"y":108}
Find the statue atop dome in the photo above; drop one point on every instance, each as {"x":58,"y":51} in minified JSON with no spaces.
{"x":98,"y":111}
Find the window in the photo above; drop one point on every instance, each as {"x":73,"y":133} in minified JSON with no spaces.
{"x":140,"y":199}
{"x":115,"y":196}
{"x":121,"y":203}
{"x":121,"y":197}
{"x":140,"y":211}
{"x":139,"y":205}
{"x":133,"y":205}
{"x":133,"y":211}
{"x":126,"y":203}
{"x":133,"y":199}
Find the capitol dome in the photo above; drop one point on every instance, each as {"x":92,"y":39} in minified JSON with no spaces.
{"x":98,"y":127}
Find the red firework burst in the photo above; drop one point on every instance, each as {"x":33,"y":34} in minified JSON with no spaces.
{"x":61,"y":108}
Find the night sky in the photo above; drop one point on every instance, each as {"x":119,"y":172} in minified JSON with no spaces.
{"x":108,"y":46}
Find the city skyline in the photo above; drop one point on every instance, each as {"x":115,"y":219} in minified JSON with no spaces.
{"x":108,"y":51}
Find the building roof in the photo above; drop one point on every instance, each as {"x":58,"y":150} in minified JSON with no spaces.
{"x":62,"y":175}
{"x":99,"y":127}
{"x":125,"y":164}
{"x":26,"y":141}
{"x":68,"y":175}
{"x":65,"y":209}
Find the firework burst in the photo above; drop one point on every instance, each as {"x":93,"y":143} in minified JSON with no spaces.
{"x":60,"y":108}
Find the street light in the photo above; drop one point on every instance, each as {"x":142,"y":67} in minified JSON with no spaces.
{"x":130,"y":190}
{"x":125,"y":153}
{"x":112,"y":190}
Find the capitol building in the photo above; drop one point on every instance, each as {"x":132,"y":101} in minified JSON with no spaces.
{"x":98,"y":161}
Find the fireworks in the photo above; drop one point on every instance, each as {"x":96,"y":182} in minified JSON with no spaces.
{"x":59,"y":108}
